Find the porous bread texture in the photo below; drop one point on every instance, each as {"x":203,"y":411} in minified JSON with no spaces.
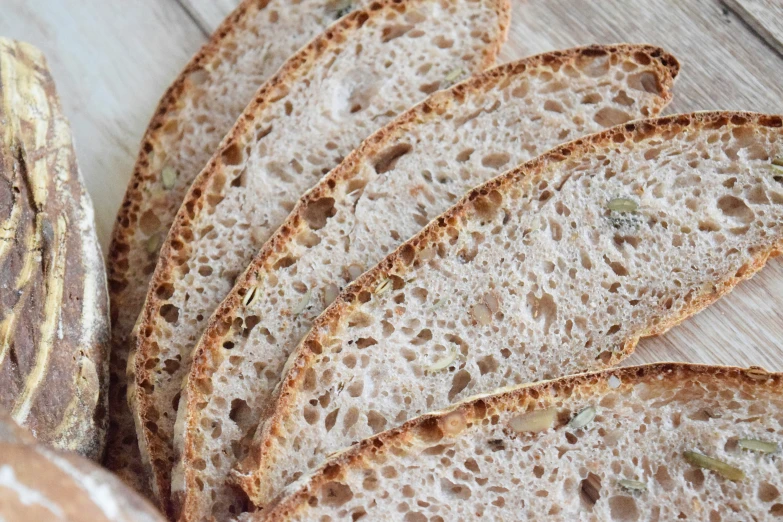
{"x":384,"y":192}
{"x":354,"y":77}
{"x":532,"y":275}
{"x":478,"y":459}
{"x":40,"y":484}
{"x":193,"y":116}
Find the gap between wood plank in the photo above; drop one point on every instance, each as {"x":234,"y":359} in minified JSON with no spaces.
{"x":194,"y":18}
{"x":756,"y":26}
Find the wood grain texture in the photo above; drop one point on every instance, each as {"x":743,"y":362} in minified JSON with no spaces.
{"x":765,"y":17}
{"x":112,"y":61}
{"x":209,"y":13}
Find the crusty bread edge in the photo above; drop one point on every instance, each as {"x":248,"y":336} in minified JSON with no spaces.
{"x":219,"y":324}
{"x":175,"y":247}
{"x":227,"y":30}
{"x":473,"y":410}
{"x":529,"y":174}
{"x":121,"y":237}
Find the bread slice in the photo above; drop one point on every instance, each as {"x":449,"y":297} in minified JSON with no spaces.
{"x":555,"y":267}
{"x":355,"y":77}
{"x":193,"y":116}
{"x":385,"y":191}
{"x":54,"y":308}
{"x":38,"y":483}
{"x":621,"y":445}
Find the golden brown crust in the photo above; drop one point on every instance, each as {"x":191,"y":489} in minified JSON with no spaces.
{"x":208,"y":350}
{"x":475,"y":409}
{"x":123,"y":457}
{"x":54,"y":327}
{"x":176,"y":249}
{"x":521,"y":178}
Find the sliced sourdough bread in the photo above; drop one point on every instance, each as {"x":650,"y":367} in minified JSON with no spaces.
{"x":38,"y":483}
{"x":555,"y":267}
{"x":193,"y":116}
{"x":383,"y":192}
{"x":659,"y":442}
{"x":352,"y":79}
{"x":54,"y":307}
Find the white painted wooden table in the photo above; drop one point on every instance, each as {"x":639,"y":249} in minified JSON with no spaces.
{"x":112,"y":59}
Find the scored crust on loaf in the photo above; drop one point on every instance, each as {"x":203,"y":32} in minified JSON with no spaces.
{"x":485,"y":457}
{"x":555,"y":267}
{"x":191,"y":119}
{"x":383,"y":192}
{"x":54,"y":309}
{"x":355,"y":77}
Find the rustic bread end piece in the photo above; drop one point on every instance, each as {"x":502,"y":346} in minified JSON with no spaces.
{"x":54,"y":323}
{"x":386,"y":190}
{"x":609,"y":446}
{"x":558,"y":266}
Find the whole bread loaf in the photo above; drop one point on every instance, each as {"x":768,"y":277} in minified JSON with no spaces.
{"x":355,"y":77}
{"x":42,"y":484}
{"x":555,"y":267}
{"x":54,"y":318}
{"x":659,"y":442}
{"x":383,"y":192}
{"x":193,"y":116}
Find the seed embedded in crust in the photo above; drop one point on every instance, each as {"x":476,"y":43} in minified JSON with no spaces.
{"x":623,"y":205}
{"x":759,"y":446}
{"x":153,"y":243}
{"x":718,"y":466}
{"x":443,"y":363}
{"x":583,"y":418}
{"x":169,"y":177}
{"x":383,"y":287}
{"x":250,"y":296}
{"x":535,"y":421}
{"x":757,"y":373}
{"x":452,"y":76}
{"x":299,"y":308}
{"x":481,"y":314}
{"x":632,"y":485}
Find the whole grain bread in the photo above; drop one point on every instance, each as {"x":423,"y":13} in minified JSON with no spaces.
{"x":355,"y":77}
{"x":621,"y":445}
{"x":191,"y":119}
{"x":383,"y":192}
{"x":555,"y":267}
{"x":54,"y":318}
{"x":41,"y":484}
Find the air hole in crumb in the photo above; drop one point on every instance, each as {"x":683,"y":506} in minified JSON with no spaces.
{"x":609,"y":117}
{"x":169,"y":313}
{"x":495,"y":160}
{"x":387,"y":159}
{"x":623,"y":509}
{"x":232,"y":155}
{"x":590,"y":490}
{"x":317,"y":212}
{"x":335,"y":494}
{"x":459,"y":382}
{"x":735,"y":208}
